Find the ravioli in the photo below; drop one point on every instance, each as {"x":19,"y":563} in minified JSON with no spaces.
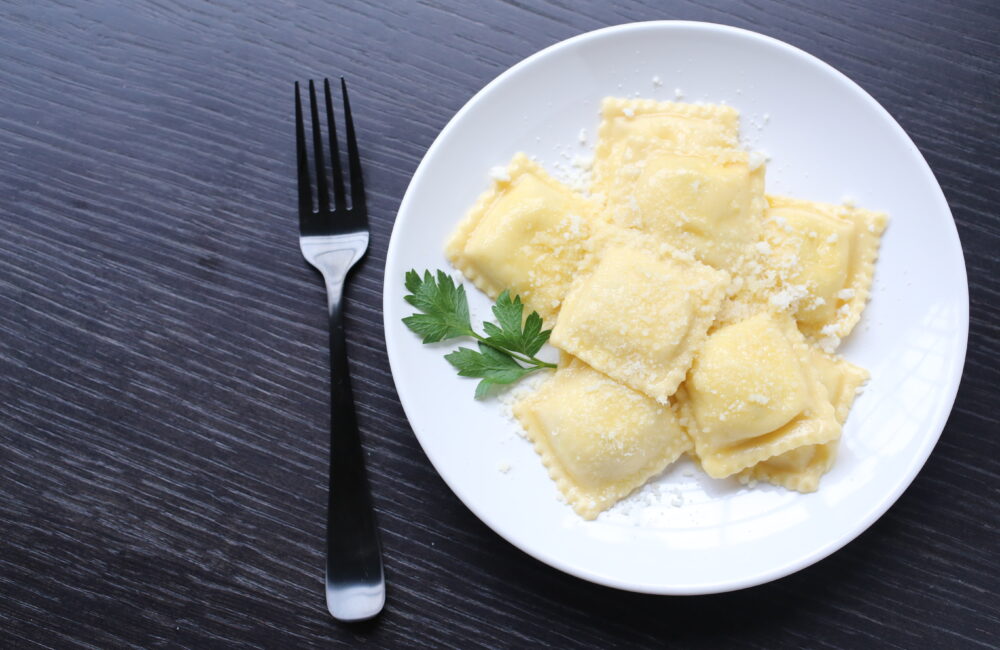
{"x":801,"y":469}
{"x":693,"y":313}
{"x":824,"y":256}
{"x":528,"y":233}
{"x":639,"y":317}
{"x":709,"y":203}
{"x":598,"y":438}
{"x":652,"y":124}
{"x":753,"y":394}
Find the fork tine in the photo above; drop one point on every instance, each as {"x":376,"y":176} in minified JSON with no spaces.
{"x":338,"y":175}
{"x":357,"y":184}
{"x":305,"y":201}
{"x":322,"y":190}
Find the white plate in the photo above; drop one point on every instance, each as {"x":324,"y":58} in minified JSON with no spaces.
{"x":827,"y":138}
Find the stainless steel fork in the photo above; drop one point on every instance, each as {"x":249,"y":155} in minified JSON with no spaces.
{"x":333,"y":240}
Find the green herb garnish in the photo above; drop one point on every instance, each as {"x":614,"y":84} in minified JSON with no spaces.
{"x":507,"y":351}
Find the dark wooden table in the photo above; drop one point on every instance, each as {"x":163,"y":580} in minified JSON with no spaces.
{"x":163,"y":381}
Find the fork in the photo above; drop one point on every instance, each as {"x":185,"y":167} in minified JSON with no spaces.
{"x":333,"y":240}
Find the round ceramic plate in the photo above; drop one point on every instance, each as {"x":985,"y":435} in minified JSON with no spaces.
{"x":827,"y":139}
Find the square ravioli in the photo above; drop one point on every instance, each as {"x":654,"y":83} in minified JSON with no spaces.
{"x":639,"y":316}
{"x":528,"y":233}
{"x":801,"y":469}
{"x":670,"y":125}
{"x":753,"y":394}
{"x":824,"y":256}
{"x":599,"y":439}
{"x":709,"y":203}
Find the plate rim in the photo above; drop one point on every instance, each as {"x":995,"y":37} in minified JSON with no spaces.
{"x":864,"y":523}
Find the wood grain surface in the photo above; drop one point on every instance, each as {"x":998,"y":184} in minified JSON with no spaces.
{"x":163,"y":380}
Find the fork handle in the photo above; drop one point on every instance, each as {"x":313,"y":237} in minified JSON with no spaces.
{"x":355,"y":582}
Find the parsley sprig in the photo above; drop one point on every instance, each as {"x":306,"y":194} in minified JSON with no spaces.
{"x":506,"y":352}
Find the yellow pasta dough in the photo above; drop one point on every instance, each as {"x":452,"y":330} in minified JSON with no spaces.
{"x":653,"y":124}
{"x":841,"y":378}
{"x":824,"y":255}
{"x":599,"y":439}
{"x":801,"y":469}
{"x":752,"y":394}
{"x":528,"y":233}
{"x":640,"y":317}
{"x":709,"y":202}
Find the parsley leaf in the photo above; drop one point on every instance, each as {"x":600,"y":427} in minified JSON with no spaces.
{"x":506,"y":353}
{"x":515,"y":332}
{"x":489,"y":364}
{"x":445,"y":307}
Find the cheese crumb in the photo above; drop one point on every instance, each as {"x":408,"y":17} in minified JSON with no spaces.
{"x":500,"y":174}
{"x":575,"y":222}
{"x":503,"y":467}
{"x":830,"y":339}
{"x":628,"y":111}
{"x":582,"y":136}
{"x":756,"y":159}
{"x":789,"y":296}
{"x":678,"y":93}
{"x":657,"y":81}
{"x":845,"y":294}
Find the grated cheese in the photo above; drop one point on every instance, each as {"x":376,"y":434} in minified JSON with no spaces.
{"x":756,"y":159}
{"x":500,"y":174}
